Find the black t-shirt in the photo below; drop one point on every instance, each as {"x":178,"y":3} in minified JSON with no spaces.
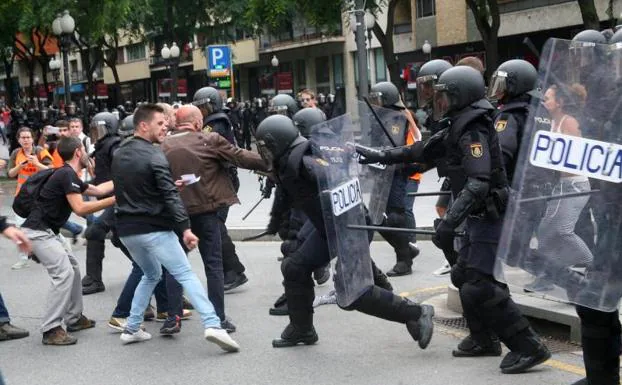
{"x":52,"y":209}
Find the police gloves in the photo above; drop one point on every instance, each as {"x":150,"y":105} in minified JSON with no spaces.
{"x":445,"y":234}
{"x":370,"y":155}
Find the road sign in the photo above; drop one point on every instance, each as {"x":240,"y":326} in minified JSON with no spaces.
{"x":218,"y":61}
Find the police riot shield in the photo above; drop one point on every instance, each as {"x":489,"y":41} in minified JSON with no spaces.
{"x":376,"y":179}
{"x":562,"y":232}
{"x":341,"y":196}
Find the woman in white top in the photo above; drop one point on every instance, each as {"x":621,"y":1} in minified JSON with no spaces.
{"x":556,"y":232}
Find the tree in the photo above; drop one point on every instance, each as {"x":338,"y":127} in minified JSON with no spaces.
{"x":488,"y":21}
{"x":589,"y":14}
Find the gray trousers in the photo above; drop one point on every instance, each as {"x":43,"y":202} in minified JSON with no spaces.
{"x":64,"y":300}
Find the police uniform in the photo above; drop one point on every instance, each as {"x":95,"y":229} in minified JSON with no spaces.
{"x":298,"y":172}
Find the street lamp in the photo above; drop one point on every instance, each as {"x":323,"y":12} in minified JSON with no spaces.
{"x":171,"y":57}
{"x":35,"y":96}
{"x":55,"y":67}
{"x":275,"y":64}
{"x":427,"y":49}
{"x":359,"y":25}
{"x":63,"y":26}
{"x":94,"y":95}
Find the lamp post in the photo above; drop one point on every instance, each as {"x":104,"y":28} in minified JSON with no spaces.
{"x":171,"y":57}
{"x":370,"y":20}
{"x":275,"y":78}
{"x":55,"y":67}
{"x":357,"y":25}
{"x":63,"y":26}
{"x":94,"y":95}
{"x":427,"y":49}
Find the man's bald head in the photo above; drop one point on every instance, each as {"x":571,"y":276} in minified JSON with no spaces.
{"x":189,"y":117}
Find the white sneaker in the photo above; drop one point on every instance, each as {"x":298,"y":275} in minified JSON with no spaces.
{"x":221,"y":338}
{"x":326,"y":299}
{"x":445,"y":269}
{"x":139,"y":336}
{"x":21,"y":264}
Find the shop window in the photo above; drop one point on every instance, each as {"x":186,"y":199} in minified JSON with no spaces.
{"x":381,"y":66}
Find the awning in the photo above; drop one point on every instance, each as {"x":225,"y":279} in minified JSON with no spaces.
{"x":74,"y":89}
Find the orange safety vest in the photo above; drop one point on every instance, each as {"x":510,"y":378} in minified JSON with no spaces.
{"x":57,"y":161}
{"x":410,"y":139}
{"x":29,"y":169}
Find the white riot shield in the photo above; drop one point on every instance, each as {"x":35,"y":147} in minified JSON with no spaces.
{"x":377,"y":178}
{"x":341,"y":196}
{"x":562,"y":232}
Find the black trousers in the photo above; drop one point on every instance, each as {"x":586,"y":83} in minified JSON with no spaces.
{"x":600,"y":338}
{"x":312,"y":253}
{"x":230,"y":260}
{"x":95,"y":235}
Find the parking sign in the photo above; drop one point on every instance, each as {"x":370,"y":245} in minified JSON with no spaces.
{"x":218,"y":60}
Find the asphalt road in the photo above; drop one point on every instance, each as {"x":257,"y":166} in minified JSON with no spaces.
{"x":353,"y":348}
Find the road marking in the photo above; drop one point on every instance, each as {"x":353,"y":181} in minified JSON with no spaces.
{"x":424,"y":290}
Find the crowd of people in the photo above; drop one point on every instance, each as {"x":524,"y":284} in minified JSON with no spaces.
{"x":165,"y":177}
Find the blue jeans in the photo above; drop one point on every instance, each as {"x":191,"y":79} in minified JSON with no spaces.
{"x":4,"y":313}
{"x":72,"y":227}
{"x":153,"y":250}
{"x":409,"y":201}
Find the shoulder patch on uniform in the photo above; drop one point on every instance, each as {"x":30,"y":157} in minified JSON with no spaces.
{"x":207,"y":129}
{"x":395,"y":129}
{"x":501,"y":125}
{"x":476,"y":150}
{"x":321,"y":161}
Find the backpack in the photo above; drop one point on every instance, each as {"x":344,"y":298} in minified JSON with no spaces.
{"x":28,"y":194}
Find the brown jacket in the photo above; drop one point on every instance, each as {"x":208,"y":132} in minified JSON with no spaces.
{"x":207,"y":156}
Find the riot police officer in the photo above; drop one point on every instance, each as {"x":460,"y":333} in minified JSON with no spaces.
{"x":426,"y":79}
{"x":479,"y":185}
{"x":104,"y":130}
{"x":386,"y":94}
{"x":283,"y":104}
{"x":280,"y":143}
{"x":209,"y":101}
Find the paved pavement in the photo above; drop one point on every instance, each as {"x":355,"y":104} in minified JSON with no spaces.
{"x":353,"y":348}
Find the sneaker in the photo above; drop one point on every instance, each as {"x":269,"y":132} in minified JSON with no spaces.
{"x":400,"y":269}
{"x":228,"y":326}
{"x":58,"y":337}
{"x":10,"y":332}
{"x":81,"y":324}
{"x":187,"y":304}
{"x":163,"y":316}
{"x":171,"y":326}
{"x":326,"y":299}
{"x":443,"y":270}
{"x":221,"y":338}
{"x":21,"y":264}
{"x":117,"y":323}
{"x":149,"y":314}
{"x":139,"y":336}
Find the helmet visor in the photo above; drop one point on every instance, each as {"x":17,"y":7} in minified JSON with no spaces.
{"x":582,"y":55}
{"x":277,"y":110}
{"x":98,"y":130}
{"x":376,"y":98}
{"x":264,"y":152}
{"x":425,"y":90}
{"x":441,"y":102}
{"x":498,"y":85}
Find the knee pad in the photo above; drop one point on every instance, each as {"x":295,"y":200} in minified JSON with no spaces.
{"x":293,"y":271}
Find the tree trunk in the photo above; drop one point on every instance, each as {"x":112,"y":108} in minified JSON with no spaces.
{"x":488,"y":21}
{"x":385,"y":38}
{"x":8,"y":83}
{"x":589,"y":14}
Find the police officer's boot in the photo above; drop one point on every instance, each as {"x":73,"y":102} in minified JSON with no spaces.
{"x":478,"y":346}
{"x":380,"y":278}
{"x":384,"y":304}
{"x":405,"y":252}
{"x":300,"y":303}
{"x":526,"y":352}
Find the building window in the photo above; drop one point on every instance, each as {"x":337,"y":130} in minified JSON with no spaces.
{"x":426,"y":8}
{"x":301,"y":74}
{"x":338,"y":71}
{"x":135,"y":52}
{"x":381,"y":66}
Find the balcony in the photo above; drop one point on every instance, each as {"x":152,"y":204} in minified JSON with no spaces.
{"x":157,"y":60}
{"x":298,"y":37}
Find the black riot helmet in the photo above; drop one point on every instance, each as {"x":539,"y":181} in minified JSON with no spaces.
{"x":511,"y":79}
{"x":426,"y":79}
{"x":386,"y":94}
{"x":275,"y":134}
{"x":103,"y":124}
{"x":208,"y":99}
{"x":590,"y":36}
{"x":307,"y":118}
{"x":283,"y":104}
{"x":584,"y":53}
{"x":457,"y":88}
{"x":129,"y":107}
{"x":616,"y":38}
{"x":127,"y":126}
